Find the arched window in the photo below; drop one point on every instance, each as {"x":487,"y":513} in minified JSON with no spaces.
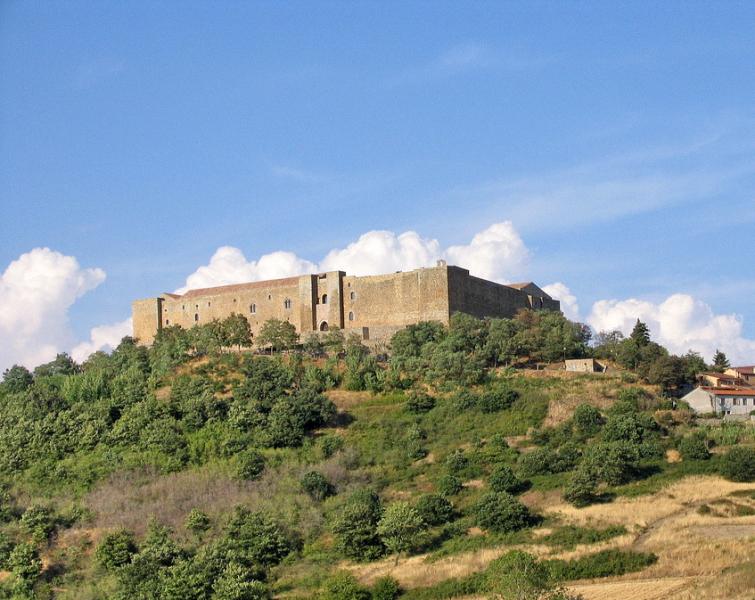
{"x":196,"y":317}
{"x":324,"y":298}
{"x":287,"y":303}
{"x":167,"y":321}
{"x":253,"y":308}
{"x":351,"y":316}
{"x":352,"y":295}
{"x":324,"y":326}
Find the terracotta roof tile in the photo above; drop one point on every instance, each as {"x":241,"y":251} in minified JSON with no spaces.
{"x":238,"y":287}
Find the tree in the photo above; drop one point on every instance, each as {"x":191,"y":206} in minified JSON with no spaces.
{"x":587,"y":420}
{"x":693,"y":447}
{"x":26,"y":566}
{"x":344,"y":586}
{"x":738,"y":464}
{"x":434,"y":509}
{"x":313,"y":345}
{"x":502,"y":479}
{"x":39,"y":522}
{"x":517,"y":575}
{"x":116,"y":549}
{"x":237,"y":331}
{"x":581,"y":489}
{"x":355,"y":527}
{"x":419,"y":402}
{"x":400,"y":528}
{"x":197,"y":522}
{"x":62,"y":365}
{"x":720,"y":362}
{"x":277,"y":335}
{"x":640,"y":334}
{"x":17,"y":379}
{"x":449,"y":485}
{"x":235,"y":583}
{"x":317,"y":486}
{"x":250,"y":465}
{"x":501,"y":346}
{"x":334,"y":340}
{"x":501,"y":512}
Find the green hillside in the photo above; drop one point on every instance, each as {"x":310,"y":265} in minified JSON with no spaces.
{"x":192,"y":470}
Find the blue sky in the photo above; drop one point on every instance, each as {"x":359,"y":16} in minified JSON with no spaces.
{"x":618,"y":138}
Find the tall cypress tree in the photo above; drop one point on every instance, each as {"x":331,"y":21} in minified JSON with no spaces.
{"x":640,"y":334}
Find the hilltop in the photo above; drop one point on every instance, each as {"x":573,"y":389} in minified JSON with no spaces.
{"x":443,"y":468}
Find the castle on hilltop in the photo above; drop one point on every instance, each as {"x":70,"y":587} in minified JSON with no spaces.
{"x":374,"y":306}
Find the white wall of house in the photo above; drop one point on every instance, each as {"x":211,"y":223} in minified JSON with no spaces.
{"x":701,"y":401}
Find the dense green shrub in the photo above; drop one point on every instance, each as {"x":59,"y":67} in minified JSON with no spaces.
{"x":26,"y":566}
{"x":456,"y":462}
{"x":317,"y":486}
{"x":503,"y":479}
{"x":605,"y":563}
{"x":250,"y":465}
{"x":6,"y":547}
{"x":517,"y":574}
{"x":419,"y":402}
{"x":738,"y":464}
{"x":330,"y":444}
{"x":611,"y":462}
{"x":542,"y":461}
{"x":693,"y":447}
{"x":234,"y":583}
{"x":254,"y":540}
{"x":401,"y":527}
{"x":344,"y":586}
{"x":197,"y":521}
{"x":434,"y":509}
{"x":355,"y":527}
{"x":581,"y":489}
{"x":39,"y":522}
{"x":569,"y":536}
{"x":450,"y":485}
{"x":496,"y":399}
{"x":385,"y":588}
{"x":501,"y":512}
{"x":116,"y":549}
{"x":587,"y":420}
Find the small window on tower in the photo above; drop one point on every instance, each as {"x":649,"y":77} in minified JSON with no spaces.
{"x":253,"y":308}
{"x":287,"y":303}
{"x":353,"y":295}
{"x":351,"y":316}
{"x":167,"y":321}
{"x":324,"y":298}
{"x":196,"y":317}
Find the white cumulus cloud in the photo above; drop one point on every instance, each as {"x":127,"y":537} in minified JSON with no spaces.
{"x":102,"y":337}
{"x":229,"y":265}
{"x":680,"y":323}
{"x":378,"y":252}
{"x":36,"y":291}
{"x":497,"y":253}
{"x":569,"y":305}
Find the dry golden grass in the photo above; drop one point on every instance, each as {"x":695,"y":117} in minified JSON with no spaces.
{"x":344,"y":399}
{"x":642,"y":589}
{"x":691,"y":547}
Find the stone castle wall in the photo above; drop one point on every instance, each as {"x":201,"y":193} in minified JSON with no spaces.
{"x":374,"y":306}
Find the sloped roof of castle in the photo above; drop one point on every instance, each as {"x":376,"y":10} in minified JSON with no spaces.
{"x":530,"y":288}
{"x":237,"y":287}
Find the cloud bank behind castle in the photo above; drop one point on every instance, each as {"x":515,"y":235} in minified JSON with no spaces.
{"x":38,"y":289}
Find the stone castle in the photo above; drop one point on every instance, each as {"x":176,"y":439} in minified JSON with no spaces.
{"x":374,"y":306}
